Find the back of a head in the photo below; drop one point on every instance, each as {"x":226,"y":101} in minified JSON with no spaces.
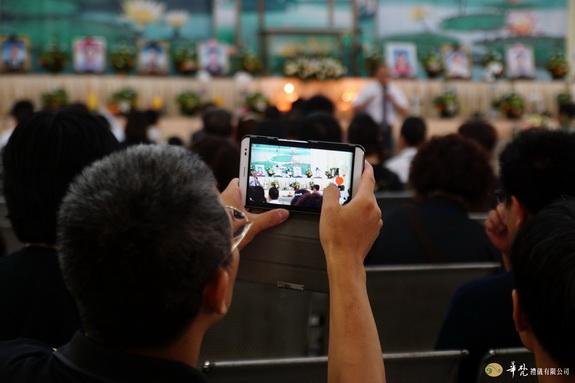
{"x":42,"y":157}
{"x":481,"y":131}
{"x":217,"y":122}
{"x":221,"y":155}
{"x":141,"y":233}
{"x":537,"y":167}
{"x":22,"y":110}
{"x":454,"y":166}
{"x":413,"y":131}
{"x":364,"y":131}
{"x":543,"y":261}
{"x":137,"y":125}
{"x":318,"y":103}
{"x":321,"y":127}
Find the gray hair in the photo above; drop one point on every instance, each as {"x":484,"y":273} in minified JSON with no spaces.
{"x":141,"y":232}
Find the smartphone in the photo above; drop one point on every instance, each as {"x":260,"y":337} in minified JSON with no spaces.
{"x":293,"y":174}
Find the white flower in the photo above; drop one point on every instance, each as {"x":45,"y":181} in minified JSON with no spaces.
{"x":177,"y":18}
{"x":143,"y":12}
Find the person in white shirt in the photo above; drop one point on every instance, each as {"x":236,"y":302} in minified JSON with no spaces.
{"x":371,"y":100}
{"x":412,"y":134}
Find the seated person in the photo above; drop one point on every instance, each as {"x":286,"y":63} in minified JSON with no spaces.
{"x":310,"y":200}
{"x":411,"y":136}
{"x":44,"y":154}
{"x":364,"y":131}
{"x":150,"y":251}
{"x":274,"y":194}
{"x":543,"y":262}
{"x":451,"y":175}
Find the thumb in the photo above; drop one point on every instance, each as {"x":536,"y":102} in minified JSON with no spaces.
{"x":330,"y":196}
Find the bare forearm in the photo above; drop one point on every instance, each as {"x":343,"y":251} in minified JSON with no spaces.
{"x":354,"y":349}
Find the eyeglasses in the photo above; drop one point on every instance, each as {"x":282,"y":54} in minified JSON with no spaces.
{"x":501,"y":196}
{"x":240,"y":225}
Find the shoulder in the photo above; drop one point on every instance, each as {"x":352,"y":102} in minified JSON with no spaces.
{"x":491,"y":287}
{"x":24,"y":360}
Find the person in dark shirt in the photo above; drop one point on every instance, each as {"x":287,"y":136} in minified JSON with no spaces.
{"x":44,"y":154}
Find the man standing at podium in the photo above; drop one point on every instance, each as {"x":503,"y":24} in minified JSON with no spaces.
{"x":384,"y":102}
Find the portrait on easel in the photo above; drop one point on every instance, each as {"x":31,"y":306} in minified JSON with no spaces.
{"x":89,"y":54}
{"x":520,"y":62}
{"x":456,"y":61}
{"x":153,"y":58}
{"x":15,"y":54}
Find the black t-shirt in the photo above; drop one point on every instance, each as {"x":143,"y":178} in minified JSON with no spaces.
{"x":82,"y":360}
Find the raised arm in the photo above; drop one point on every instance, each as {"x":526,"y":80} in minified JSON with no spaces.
{"x":347,"y":233}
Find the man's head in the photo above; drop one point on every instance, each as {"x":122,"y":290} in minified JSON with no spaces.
{"x":413,"y":131}
{"x":274,"y":193}
{"x":481,"y":131}
{"x":381,"y":74}
{"x":217,"y":122}
{"x":543,"y":261}
{"x":44,"y":154}
{"x":21,"y":111}
{"x":144,"y":244}
{"x":537,"y":168}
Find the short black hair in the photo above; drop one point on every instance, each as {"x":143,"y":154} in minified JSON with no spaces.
{"x":537,"y":167}
{"x":274,"y":193}
{"x":481,"y":131}
{"x":364,"y":131}
{"x":413,"y":130}
{"x":453,"y":165}
{"x":22,"y":110}
{"x":141,"y":233}
{"x":217,"y":122}
{"x":543,"y":260}
{"x":221,"y":155}
{"x":320,"y":126}
{"x":42,"y":157}
{"x":318,"y":103}
{"x":567,"y":109}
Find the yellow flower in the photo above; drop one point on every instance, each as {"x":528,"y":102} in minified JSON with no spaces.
{"x":177,"y":18}
{"x":419,"y":13}
{"x":143,"y":12}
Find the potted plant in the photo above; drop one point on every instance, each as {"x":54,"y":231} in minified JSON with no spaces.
{"x":123,"y":59}
{"x":123,"y":101}
{"x":511,"y":104}
{"x":432,"y":64}
{"x":492,"y":63}
{"x":447,"y":104}
{"x":249,"y":62}
{"x":256,"y":102}
{"x":190,"y":103}
{"x":54,"y":99}
{"x":295,"y":185}
{"x":185,"y":60}
{"x":53,"y":58}
{"x":558,"y":66}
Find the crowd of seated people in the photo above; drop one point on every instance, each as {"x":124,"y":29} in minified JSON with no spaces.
{"x":45,"y":158}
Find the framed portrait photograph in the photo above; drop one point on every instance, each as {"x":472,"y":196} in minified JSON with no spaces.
{"x":401,"y":60}
{"x":520,"y":62}
{"x":456,"y":61}
{"x":213,"y":57}
{"x":89,"y":54}
{"x":153,"y":57}
{"x":15,"y":54}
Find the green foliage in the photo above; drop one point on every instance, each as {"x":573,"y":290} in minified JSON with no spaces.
{"x":53,"y":58}
{"x":511,"y":104}
{"x":558,"y":66}
{"x":249,"y":62}
{"x":256,"y":102}
{"x":55,"y":99}
{"x":185,"y":59}
{"x":447,"y":103}
{"x":190,"y":103}
{"x":123,"y":58}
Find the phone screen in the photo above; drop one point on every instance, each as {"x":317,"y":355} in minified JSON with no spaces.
{"x":294,"y":174}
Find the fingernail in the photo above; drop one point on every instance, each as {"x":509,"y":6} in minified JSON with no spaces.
{"x":282,"y":214}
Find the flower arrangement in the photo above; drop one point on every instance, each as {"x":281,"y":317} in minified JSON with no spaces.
{"x":249,"y":62}
{"x":432,"y":64}
{"x":531,"y":121}
{"x":123,"y":58}
{"x":447,"y":103}
{"x":511,"y":104}
{"x":190,"y":103}
{"x":308,"y":173}
{"x":53,"y":58}
{"x":54,"y":99}
{"x":256,"y":102}
{"x":492,"y":62}
{"x":558,"y":66}
{"x":318,"y":68}
{"x":123,"y":101}
{"x":185,"y":59}
{"x":295,"y":185}
{"x":564,"y":98}
{"x":328,"y":174}
{"x":275,"y":183}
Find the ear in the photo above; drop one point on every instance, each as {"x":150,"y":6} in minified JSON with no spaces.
{"x":521,"y":323}
{"x":216,"y":291}
{"x":521,"y":210}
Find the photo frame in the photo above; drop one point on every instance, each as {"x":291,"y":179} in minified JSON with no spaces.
{"x":153,"y":57}
{"x":89,"y":54}
{"x":213,"y":57}
{"x":15,"y":54}
{"x":520,"y":61}
{"x":401,"y":59}
{"x":456,"y":61}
